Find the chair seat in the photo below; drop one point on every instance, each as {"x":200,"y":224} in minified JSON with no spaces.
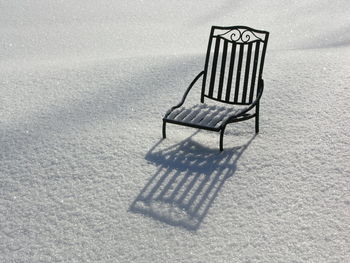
{"x":201,"y":115}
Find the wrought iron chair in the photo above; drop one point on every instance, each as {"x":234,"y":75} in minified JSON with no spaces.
{"x":232,"y":75}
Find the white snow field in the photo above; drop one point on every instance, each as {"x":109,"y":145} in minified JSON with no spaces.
{"x":85,"y":175}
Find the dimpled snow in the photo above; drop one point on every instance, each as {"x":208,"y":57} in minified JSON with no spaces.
{"x":85,"y":175}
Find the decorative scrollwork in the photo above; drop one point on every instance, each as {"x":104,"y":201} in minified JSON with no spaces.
{"x":240,"y":35}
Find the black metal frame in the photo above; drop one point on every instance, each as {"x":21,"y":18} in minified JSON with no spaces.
{"x":240,"y":35}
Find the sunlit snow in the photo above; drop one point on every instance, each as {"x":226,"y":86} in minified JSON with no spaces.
{"x":86,"y":177}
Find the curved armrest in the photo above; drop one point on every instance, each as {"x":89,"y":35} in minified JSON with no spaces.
{"x":185,"y":95}
{"x":244,"y":111}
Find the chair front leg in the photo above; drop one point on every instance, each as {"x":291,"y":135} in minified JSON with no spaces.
{"x":164,"y":129}
{"x":222,"y":138}
{"x":257,"y":109}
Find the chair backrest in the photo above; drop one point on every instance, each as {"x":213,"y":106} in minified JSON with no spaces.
{"x":234,"y":64}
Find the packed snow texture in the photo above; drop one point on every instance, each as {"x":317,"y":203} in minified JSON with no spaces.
{"x":86,"y":177}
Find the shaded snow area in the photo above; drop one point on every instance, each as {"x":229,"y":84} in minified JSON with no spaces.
{"x":86,"y":177}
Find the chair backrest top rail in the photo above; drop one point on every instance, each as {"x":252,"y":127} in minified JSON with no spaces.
{"x":240,"y":27}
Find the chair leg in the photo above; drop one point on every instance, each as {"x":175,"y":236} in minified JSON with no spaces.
{"x":164,"y":130}
{"x":222,"y":139}
{"x":257,"y":118}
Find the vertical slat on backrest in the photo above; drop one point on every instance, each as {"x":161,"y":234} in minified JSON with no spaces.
{"x":204,"y":83}
{"x":222,"y":72}
{"x":263,"y":56}
{"x":255,"y":66}
{"x":230,"y":74}
{"x":246,"y":73}
{"x":238,"y":76}
{"x":213,"y":71}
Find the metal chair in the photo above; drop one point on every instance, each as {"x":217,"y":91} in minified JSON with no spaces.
{"x":232,"y":75}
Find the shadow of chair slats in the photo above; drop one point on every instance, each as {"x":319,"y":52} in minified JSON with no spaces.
{"x":186,"y":183}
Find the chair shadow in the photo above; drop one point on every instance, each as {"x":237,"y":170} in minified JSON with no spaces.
{"x":188,"y":180}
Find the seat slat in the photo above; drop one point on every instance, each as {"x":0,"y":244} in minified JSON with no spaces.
{"x":192,"y":115}
{"x":175,"y":113}
{"x":209,"y":117}
{"x":181,"y":116}
{"x":217,"y":119}
{"x":201,"y":115}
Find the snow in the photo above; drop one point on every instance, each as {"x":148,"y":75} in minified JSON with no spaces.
{"x":86,"y":177}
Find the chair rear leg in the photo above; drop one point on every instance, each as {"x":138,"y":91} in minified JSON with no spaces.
{"x":164,"y":130}
{"x":257,"y":118}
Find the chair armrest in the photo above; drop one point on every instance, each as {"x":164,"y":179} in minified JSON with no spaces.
{"x":244,"y":111}
{"x":185,"y":95}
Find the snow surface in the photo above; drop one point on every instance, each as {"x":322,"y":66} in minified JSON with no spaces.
{"x":85,"y":176}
